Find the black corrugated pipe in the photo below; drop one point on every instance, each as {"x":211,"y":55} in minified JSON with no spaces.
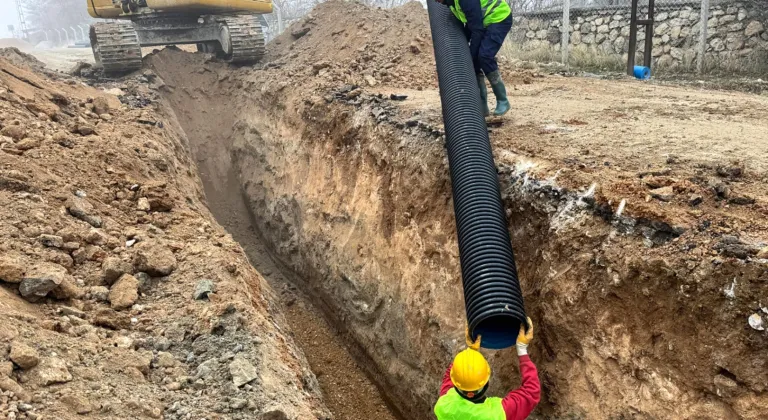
{"x":492,"y":294}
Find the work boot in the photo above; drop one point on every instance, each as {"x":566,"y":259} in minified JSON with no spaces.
{"x":483,"y":94}
{"x":502,"y":104}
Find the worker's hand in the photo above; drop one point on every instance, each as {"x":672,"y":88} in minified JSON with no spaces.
{"x":474,"y":345}
{"x":523,"y":338}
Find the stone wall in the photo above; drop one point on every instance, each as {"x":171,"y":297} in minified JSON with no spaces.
{"x":737,"y":31}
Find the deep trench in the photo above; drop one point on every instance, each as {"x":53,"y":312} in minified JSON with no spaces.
{"x":576,"y":269}
{"x":347,"y":378}
{"x":392,"y":376}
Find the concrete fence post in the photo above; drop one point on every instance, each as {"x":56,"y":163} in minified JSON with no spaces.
{"x":703,"y":36}
{"x":566,"y":31}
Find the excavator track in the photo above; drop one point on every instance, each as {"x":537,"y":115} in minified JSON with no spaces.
{"x":116,"y":47}
{"x":245,"y":36}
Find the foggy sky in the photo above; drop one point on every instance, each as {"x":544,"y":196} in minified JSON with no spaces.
{"x":7,"y":17}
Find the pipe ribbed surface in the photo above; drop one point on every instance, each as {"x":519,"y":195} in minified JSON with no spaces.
{"x":492,"y":296}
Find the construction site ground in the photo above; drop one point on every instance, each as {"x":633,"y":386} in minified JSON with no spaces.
{"x":277,"y":241}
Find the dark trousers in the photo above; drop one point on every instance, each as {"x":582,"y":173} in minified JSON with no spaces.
{"x":494,"y":36}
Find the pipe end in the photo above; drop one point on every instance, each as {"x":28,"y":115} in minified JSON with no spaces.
{"x":498,"y":331}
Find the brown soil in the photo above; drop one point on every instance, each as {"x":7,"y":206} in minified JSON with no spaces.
{"x":637,"y":213}
{"x":351,"y":191}
{"x":89,"y":183}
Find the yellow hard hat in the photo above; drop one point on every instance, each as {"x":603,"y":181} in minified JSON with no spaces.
{"x":470,"y":371}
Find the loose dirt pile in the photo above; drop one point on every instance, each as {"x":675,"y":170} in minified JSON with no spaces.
{"x":636,"y":213}
{"x":375,"y":46}
{"x":21,"y":59}
{"x":121,"y":297}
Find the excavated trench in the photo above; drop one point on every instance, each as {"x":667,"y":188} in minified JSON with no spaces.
{"x":346,"y":378}
{"x":348,"y":388}
{"x":352,"y":224}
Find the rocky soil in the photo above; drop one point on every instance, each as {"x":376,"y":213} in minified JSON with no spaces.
{"x":121,"y":296}
{"x":637,"y":214}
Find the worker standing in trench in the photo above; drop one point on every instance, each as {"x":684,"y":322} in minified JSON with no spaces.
{"x":462,"y":395}
{"x":486,"y":24}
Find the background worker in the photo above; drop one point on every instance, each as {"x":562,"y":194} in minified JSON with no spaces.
{"x":462,"y":395}
{"x":486,"y":23}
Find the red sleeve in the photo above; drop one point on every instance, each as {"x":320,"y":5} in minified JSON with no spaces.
{"x":519,"y":403}
{"x":447,"y":383}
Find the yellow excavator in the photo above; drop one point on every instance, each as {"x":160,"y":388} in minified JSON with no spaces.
{"x":229,"y":28}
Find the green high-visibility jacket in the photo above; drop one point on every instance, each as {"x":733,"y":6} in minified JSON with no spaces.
{"x":453,"y":406}
{"x":494,"y":11}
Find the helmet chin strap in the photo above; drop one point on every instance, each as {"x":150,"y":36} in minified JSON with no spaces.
{"x":474,"y":396}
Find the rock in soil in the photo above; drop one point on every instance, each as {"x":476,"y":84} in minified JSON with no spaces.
{"x":98,"y":293}
{"x":114,"y":267}
{"x":242,"y":371}
{"x":80,"y":208}
{"x":11,"y":269}
{"x":23,"y":355}
{"x":51,"y":370}
{"x":155,"y":260}
{"x":9,"y":385}
{"x":16,"y":132}
{"x":203,"y":288}
{"x":663,"y":193}
{"x":41,"y":279}
{"x":695,"y":200}
{"x":124,"y":293}
{"x":51,"y":241}
{"x":101,"y":106}
{"x":68,"y":289}
{"x":111,"y":319}
{"x":77,"y":403}
{"x":165,"y":359}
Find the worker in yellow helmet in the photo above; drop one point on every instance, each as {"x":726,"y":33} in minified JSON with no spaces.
{"x":462,"y":395}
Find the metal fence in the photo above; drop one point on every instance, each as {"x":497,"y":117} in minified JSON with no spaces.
{"x":59,"y":37}
{"x":688,"y":35}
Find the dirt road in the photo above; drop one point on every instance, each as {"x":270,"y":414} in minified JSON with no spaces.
{"x":62,"y":59}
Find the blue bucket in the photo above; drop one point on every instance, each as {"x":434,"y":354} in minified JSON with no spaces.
{"x":642,"y":72}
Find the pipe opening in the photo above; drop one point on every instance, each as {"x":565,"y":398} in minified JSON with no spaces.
{"x":497,"y":331}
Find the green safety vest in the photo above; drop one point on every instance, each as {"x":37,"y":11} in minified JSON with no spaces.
{"x":494,"y":11}
{"x":453,"y":406}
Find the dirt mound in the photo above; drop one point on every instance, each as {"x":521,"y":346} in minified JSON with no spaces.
{"x":21,"y":59}
{"x":120,"y":296}
{"x":351,"y":42}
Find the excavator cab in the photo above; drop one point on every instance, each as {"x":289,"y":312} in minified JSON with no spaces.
{"x":229,"y":28}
